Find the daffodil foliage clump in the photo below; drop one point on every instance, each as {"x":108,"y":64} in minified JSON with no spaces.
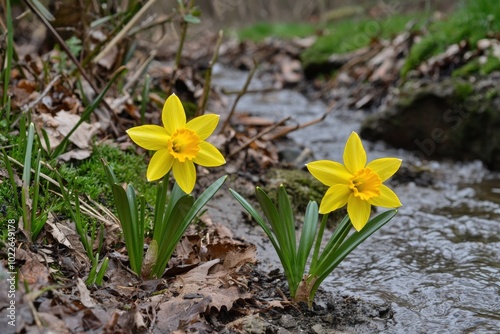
{"x":179,"y":145}
{"x":356,"y":184}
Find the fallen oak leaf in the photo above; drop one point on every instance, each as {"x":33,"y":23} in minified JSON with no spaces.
{"x":85,"y":298}
{"x":179,"y":313}
{"x":32,"y":271}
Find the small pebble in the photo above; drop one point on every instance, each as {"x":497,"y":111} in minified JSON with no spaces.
{"x":288,"y":321}
{"x":318,"y":329}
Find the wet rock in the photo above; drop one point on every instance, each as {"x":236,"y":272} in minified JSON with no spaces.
{"x":453,"y":118}
{"x":287,"y":321}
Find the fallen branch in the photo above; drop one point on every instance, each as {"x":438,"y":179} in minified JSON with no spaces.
{"x":289,"y":129}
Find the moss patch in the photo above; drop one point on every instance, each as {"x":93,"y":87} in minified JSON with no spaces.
{"x":301,"y":187}
{"x":476,"y":19}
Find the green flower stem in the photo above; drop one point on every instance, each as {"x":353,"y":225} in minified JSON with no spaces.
{"x":27,"y":180}
{"x":8,"y":62}
{"x":317,"y":246}
{"x":160,"y":205}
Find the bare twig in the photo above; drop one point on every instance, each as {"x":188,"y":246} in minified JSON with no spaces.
{"x":145,"y":26}
{"x":208,"y":77}
{"x":251,"y":91}
{"x":258,"y":136}
{"x":287,"y":130}
{"x":142,"y":68}
{"x":238,"y":97}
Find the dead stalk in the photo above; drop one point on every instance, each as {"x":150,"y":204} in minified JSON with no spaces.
{"x":238,"y":97}
{"x":140,"y":71}
{"x":208,"y":77}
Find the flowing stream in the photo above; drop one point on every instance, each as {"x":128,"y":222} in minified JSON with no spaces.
{"x":438,"y":261}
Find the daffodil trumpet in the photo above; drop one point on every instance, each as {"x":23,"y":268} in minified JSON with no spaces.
{"x":179,"y":145}
{"x":356,"y":184}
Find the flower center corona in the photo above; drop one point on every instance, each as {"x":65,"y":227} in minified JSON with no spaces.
{"x":184,"y":144}
{"x":365,"y":184}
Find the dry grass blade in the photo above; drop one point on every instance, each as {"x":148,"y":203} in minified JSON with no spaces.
{"x":85,"y":207}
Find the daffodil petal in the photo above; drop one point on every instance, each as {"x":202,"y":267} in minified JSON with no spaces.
{"x":185,"y":175}
{"x":209,"y":156}
{"x":160,"y":164}
{"x":385,"y":167}
{"x":329,"y":172}
{"x":354,"y":154}
{"x":173,"y":115}
{"x":203,"y":125}
{"x":150,"y":137}
{"x":335,"y":197}
{"x":358,"y":211}
{"x":387,"y":198}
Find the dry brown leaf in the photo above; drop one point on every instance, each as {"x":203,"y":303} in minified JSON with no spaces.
{"x":85,"y":298}
{"x":83,"y":134}
{"x":179,"y":313}
{"x":62,"y":233}
{"x":32,"y":271}
{"x":59,"y":126}
{"x":4,"y":174}
{"x":237,"y":258}
{"x":109,"y":58}
{"x":75,"y":155}
{"x":52,"y":324}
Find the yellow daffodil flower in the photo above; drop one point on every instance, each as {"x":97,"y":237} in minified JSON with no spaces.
{"x":178,"y":145}
{"x":357,"y":184}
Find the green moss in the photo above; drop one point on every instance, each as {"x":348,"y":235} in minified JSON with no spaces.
{"x":346,"y":36}
{"x":462,"y":89}
{"x":301,"y":187}
{"x":468,"y":69}
{"x":492,"y":64}
{"x":476,"y":19}
{"x":336,"y":37}
{"x":88,"y":176}
{"x":491,"y":93}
